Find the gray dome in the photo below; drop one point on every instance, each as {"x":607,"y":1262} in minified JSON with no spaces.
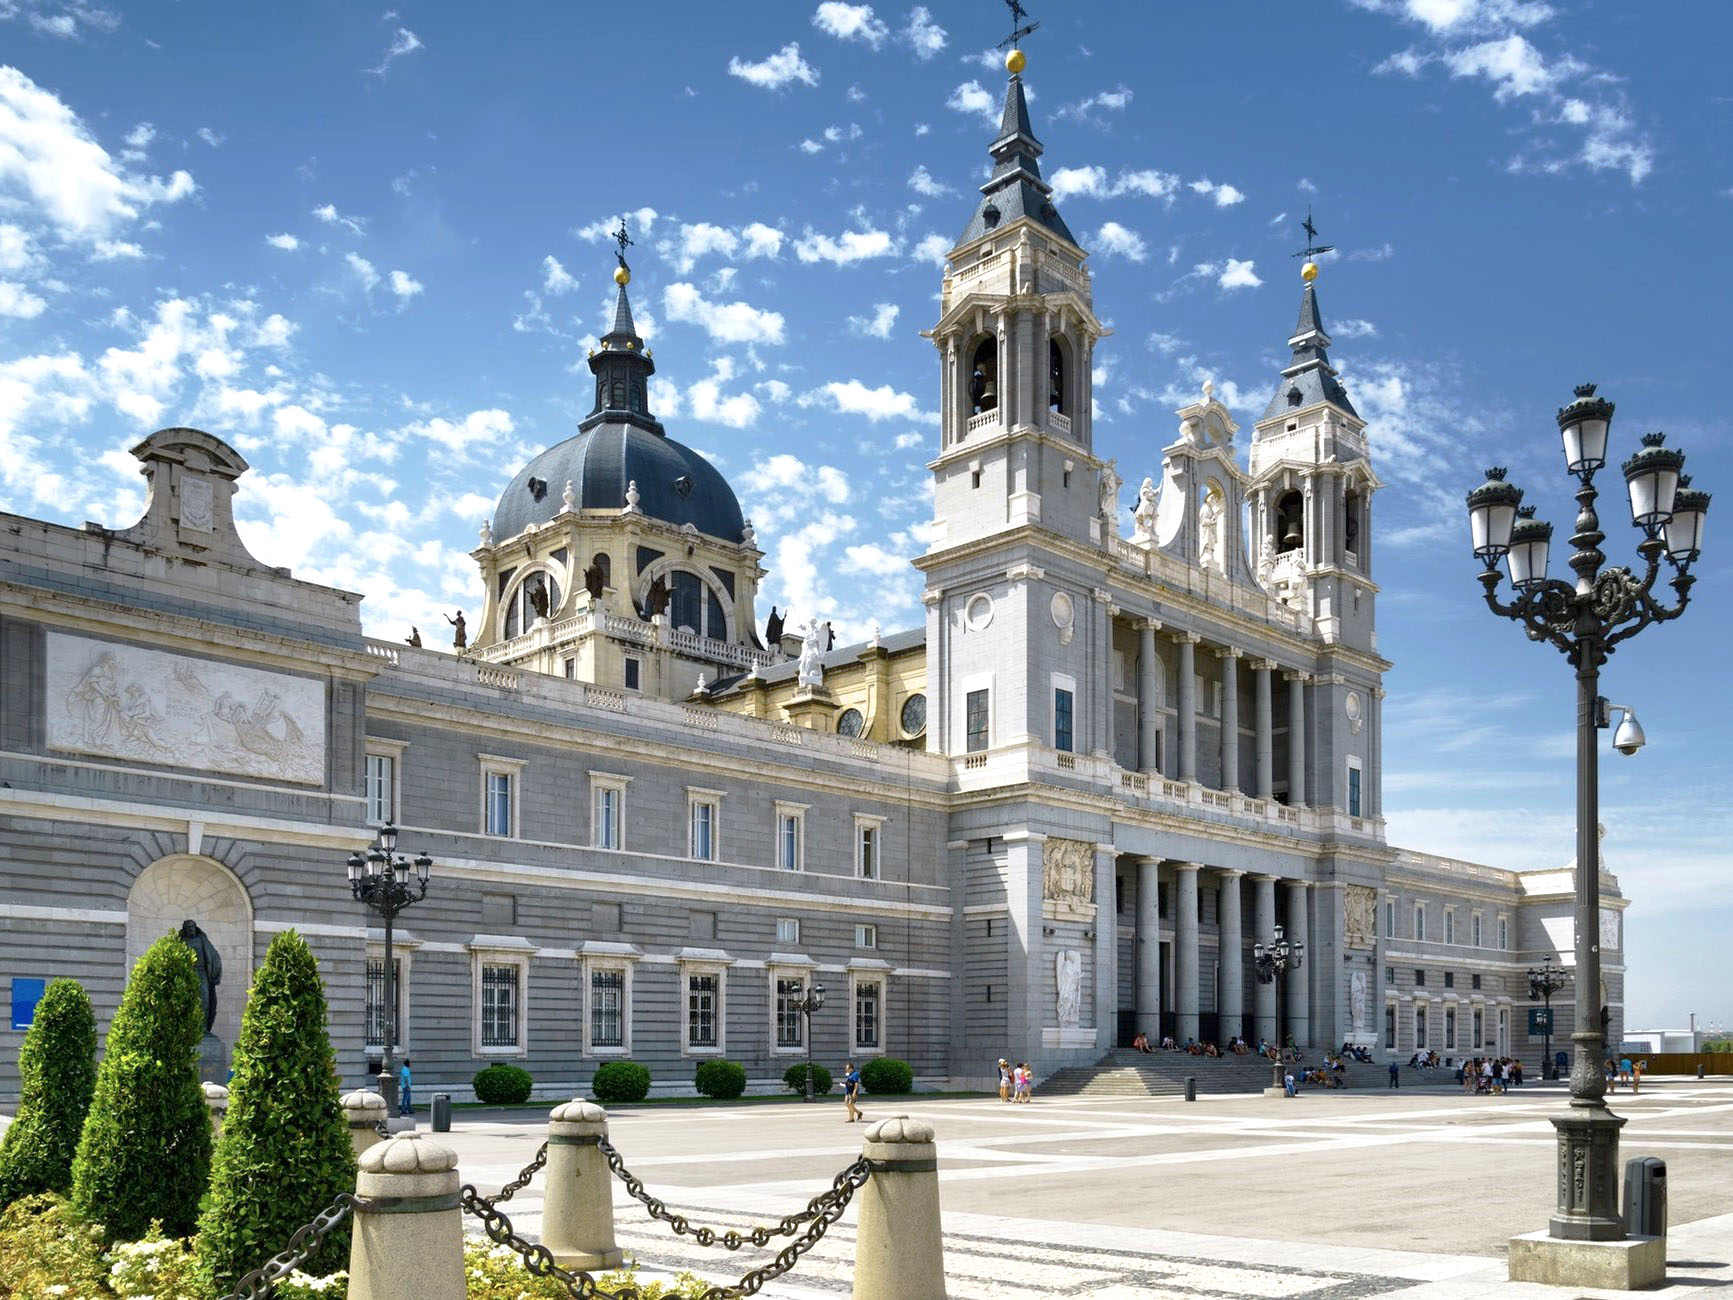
{"x":675,"y":483}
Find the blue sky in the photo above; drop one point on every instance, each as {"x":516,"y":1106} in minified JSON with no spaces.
{"x":367,"y":248}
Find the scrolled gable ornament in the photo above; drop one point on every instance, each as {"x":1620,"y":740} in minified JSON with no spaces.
{"x":1068,"y":872}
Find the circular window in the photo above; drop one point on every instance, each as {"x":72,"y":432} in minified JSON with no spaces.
{"x":850,"y":724}
{"x":979,"y":612}
{"x":914,"y":715}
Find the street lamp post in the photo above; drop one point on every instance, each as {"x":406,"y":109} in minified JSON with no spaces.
{"x":1273,"y":961}
{"x":380,"y":879}
{"x":1543,"y":982}
{"x":1586,"y":620}
{"x":813,"y":1000}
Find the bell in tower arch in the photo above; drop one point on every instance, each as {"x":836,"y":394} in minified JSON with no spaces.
{"x":984,"y":378}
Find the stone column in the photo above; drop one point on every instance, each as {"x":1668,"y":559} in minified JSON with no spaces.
{"x":1231,"y":1011}
{"x":1106,"y":948}
{"x":1147,"y":977}
{"x":1185,"y":956}
{"x":1265,"y":727}
{"x":899,"y":1251}
{"x":1264,"y":930}
{"x":365,"y":1111}
{"x":1188,"y":706}
{"x":578,"y":1211}
{"x":408,"y":1234}
{"x":1147,"y":716}
{"x":1230,"y":718}
{"x":1299,"y":982}
{"x":1296,"y":738}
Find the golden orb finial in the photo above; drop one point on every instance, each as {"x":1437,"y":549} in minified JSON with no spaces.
{"x":622,"y":276}
{"x":1309,"y":272}
{"x":1015,"y":62}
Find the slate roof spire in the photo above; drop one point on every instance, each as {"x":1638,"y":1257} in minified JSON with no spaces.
{"x":1309,"y":378}
{"x":1015,"y":188}
{"x":622,"y":366}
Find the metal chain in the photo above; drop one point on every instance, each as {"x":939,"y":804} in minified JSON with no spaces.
{"x":522,"y":1181}
{"x":305,"y":1244}
{"x":538,"y":1260}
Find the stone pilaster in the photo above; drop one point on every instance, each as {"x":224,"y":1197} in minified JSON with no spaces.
{"x":1230,"y":718}
{"x":1188,"y":706}
{"x":1265,"y":729}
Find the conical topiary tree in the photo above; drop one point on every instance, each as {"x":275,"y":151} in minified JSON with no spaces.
{"x":57,"y":1071}
{"x":145,"y":1152}
{"x":285,"y":1152}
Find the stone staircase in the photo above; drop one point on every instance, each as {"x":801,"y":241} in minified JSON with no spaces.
{"x":1128,"y":1073}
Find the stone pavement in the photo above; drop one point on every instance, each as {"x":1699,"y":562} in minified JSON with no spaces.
{"x":1407,"y":1194}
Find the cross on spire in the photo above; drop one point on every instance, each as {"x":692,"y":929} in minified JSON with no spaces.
{"x":623,"y":240}
{"x":1018,"y":29}
{"x":1313,"y":247}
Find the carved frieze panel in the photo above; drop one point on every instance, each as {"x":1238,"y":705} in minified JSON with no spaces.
{"x":1360,"y":916}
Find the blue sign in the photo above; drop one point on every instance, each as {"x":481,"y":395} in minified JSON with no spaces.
{"x":26,"y":993}
{"x":1540,"y":1020}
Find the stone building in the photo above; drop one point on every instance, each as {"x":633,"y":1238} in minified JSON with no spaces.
{"x":1060,"y":812}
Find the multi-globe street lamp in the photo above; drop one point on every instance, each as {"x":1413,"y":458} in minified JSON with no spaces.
{"x":1272,"y":962}
{"x":1543,"y":982}
{"x":812,"y":1001}
{"x":1586,"y":620}
{"x":380,"y":879}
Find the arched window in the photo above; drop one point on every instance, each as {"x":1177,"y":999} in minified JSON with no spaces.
{"x":984,"y":377}
{"x":602,"y":562}
{"x":638,"y":403}
{"x":1351,"y":517}
{"x":1057,"y":397}
{"x":715,"y":624}
{"x":1290,"y":522}
{"x":538,"y":592}
{"x":617,"y":394}
{"x":686,"y":601}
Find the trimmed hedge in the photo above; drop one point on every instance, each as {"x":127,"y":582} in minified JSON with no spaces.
{"x":145,"y":1152}
{"x":794,"y":1079}
{"x":57,"y":1074}
{"x":620,"y":1081}
{"x":503,"y":1085}
{"x":886,"y":1074}
{"x":723,"y":1080}
{"x":285,"y":1152}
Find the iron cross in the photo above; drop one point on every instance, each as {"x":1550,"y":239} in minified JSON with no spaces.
{"x":1018,"y":31}
{"x":1313,"y":247}
{"x":623,"y":240}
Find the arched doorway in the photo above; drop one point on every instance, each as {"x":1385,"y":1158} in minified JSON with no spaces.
{"x":171,"y":890}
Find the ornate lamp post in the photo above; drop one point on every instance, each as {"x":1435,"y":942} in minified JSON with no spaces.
{"x":380,"y":879}
{"x":1543,"y":982}
{"x":1586,"y":620}
{"x":813,"y":1000}
{"x":1273,"y":961}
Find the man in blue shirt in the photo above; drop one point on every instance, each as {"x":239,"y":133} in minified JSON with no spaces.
{"x":851,"y":1091}
{"x":405,"y":1106}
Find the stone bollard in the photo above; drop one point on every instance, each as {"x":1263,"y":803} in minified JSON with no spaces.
{"x":408,"y":1235}
{"x":899,"y":1252}
{"x":578,"y":1209}
{"x":217,"y":1103}
{"x":364,"y":1110}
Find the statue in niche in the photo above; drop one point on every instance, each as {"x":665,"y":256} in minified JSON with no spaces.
{"x":1357,"y":1003}
{"x":812,"y":647}
{"x":459,"y":631}
{"x":1209,"y":524}
{"x":1068,"y":871}
{"x":1144,"y":514}
{"x":1266,"y":561}
{"x":539,"y":598}
{"x":1068,"y":976}
{"x":207,"y":965}
{"x":657,"y":600}
{"x":1110,"y":484}
{"x":593,"y":580}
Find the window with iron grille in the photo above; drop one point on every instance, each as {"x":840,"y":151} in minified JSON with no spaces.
{"x":703,"y":997}
{"x":866,"y":1015}
{"x":789,"y":1021}
{"x":376,"y":1000}
{"x":499,"y":1006}
{"x":607,"y":1008}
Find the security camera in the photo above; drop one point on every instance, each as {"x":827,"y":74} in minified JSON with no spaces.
{"x":1629,"y":738}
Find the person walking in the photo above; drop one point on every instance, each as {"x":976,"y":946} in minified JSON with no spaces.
{"x":1395,"y":1075}
{"x":1288,"y":1088}
{"x":405,"y":1103}
{"x":1004,"y":1079}
{"x":1025,"y":1083}
{"x":851,"y":1092}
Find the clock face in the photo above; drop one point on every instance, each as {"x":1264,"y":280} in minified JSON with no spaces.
{"x":850,"y":723}
{"x":914,"y":717}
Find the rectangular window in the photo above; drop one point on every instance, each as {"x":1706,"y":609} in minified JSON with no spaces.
{"x":866,"y":936}
{"x":1420,"y":921}
{"x":1390,"y":1026}
{"x":607,"y":1008}
{"x":790,"y":832}
{"x":1389,"y":918}
{"x":868,"y":996}
{"x":787,"y":929}
{"x":975,"y":707}
{"x":703,"y":1003}
{"x":497,"y":804}
{"x":866,"y":847}
{"x":1420,"y":1028}
{"x":499,"y":1006}
{"x":381,"y":788}
{"x":1449,"y":925}
{"x":1476,"y":980}
{"x":1503,"y":933}
{"x":1062,"y":710}
{"x":1449,"y":979}
{"x":1474,"y":929}
{"x":1450,"y":1029}
{"x":1419,"y":979}
{"x":608,"y":810}
{"x":1354,"y":792}
{"x":1479,"y":1029}
{"x":571,"y":669}
{"x":702,"y":841}
{"x":632,"y":671}
{"x":790,"y":1026}
{"x":376,"y":1000}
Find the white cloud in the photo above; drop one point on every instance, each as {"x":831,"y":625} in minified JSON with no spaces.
{"x":922,"y":181}
{"x":1091,"y":182}
{"x":973,"y":97}
{"x":555,"y":278}
{"x":288,"y":243}
{"x":909,"y":441}
{"x":1225,"y":196}
{"x":924,"y":35}
{"x":879,"y":324}
{"x":476,"y":432}
{"x":873,"y":558}
{"x":851,"y":397}
{"x":328,"y":213}
{"x":210,"y":136}
{"x":1457,"y":17}
{"x":363,"y":269}
{"x":1353,"y":328}
{"x":701,"y":239}
{"x":849,"y":22}
{"x":1512,"y":65}
{"x":1381,"y":253}
{"x":776,"y":71}
{"x":18,"y":302}
{"x":1114,"y":238}
{"x":810,"y":145}
{"x":1236,"y":274}
{"x":846,"y":248}
{"x":1113,"y":101}
{"x":59,"y":17}
{"x":404,"y":285}
{"x":403,"y":41}
{"x":761,"y":240}
{"x":931,"y":248}
{"x":601,"y":230}
{"x":733,"y":322}
{"x":708,"y":401}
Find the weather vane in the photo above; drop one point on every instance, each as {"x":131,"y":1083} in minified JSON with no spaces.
{"x":623,"y":240}
{"x":1313,"y":247}
{"x":1018,"y":29}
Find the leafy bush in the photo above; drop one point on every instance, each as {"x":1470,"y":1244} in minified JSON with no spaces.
{"x":145,"y":1152}
{"x":886,"y":1074}
{"x":503,"y":1085}
{"x":794,"y":1079}
{"x":723,"y":1080}
{"x":57,"y":1071}
{"x":44,"y":1246}
{"x":498,"y":1273}
{"x":156,"y":1268}
{"x":620,"y":1081}
{"x":285,"y":1152}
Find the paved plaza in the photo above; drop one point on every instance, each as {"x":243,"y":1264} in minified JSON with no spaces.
{"x":1410,"y":1193}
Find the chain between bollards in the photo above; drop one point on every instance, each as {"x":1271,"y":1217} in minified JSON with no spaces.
{"x":303,"y":1245}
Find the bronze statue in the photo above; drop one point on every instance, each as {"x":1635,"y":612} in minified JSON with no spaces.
{"x":773,"y":629}
{"x":593,"y":580}
{"x":414,"y":637}
{"x":658,"y":596}
{"x":208,"y":964}
{"x":539,"y":599}
{"x":460,"y":632}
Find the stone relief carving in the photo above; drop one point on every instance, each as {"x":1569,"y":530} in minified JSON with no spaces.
{"x":1068,"y":976}
{"x":1610,"y":929}
{"x":197,"y":503}
{"x":1360,"y":916}
{"x":123,"y":701}
{"x":1068,"y":871}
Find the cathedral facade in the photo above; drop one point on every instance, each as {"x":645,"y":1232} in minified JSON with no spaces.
{"x":1060,"y":813}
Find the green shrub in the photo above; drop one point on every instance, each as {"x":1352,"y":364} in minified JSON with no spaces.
{"x":145,"y":1152}
{"x":498,"y":1273}
{"x":723,"y":1080}
{"x":503,"y":1085}
{"x":44,"y":1246}
{"x":156,"y":1268}
{"x":285,"y":1152}
{"x":57,"y":1072}
{"x":886,"y":1074}
{"x":620,"y":1081}
{"x":794,"y":1079}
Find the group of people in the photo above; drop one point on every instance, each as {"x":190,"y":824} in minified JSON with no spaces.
{"x":1016,"y":1082}
{"x":1624,"y":1070}
{"x":1485,"y":1074}
{"x":1191,"y":1046}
